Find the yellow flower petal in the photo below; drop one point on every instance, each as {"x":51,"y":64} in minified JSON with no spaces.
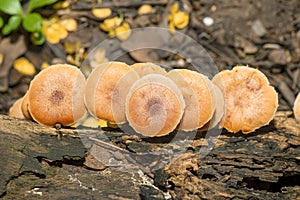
{"x":61,"y":5}
{"x":23,"y":66}
{"x":123,"y":32}
{"x":44,"y":65}
{"x":51,"y":36}
{"x":174,"y":8}
{"x":181,"y":19}
{"x":145,"y":9}
{"x":110,"y":24}
{"x":102,"y":123}
{"x":70,"y":24}
{"x":72,"y":47}
{"x":60,"y":30}
{"x":172,"y":27}
{"x":90,"y":122}
{"x":101,"y":13}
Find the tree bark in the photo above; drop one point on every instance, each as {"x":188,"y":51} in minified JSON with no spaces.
{"x":42,"y":162}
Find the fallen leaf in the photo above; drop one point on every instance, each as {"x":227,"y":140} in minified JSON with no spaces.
{"x":24,"y":66}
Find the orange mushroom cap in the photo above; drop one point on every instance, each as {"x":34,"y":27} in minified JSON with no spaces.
{"x":250,"y":102}
{"x":56,"y":95}
{"x":25,"y":107}
{"x":16,"y":110}
{"x":296,"y":108}
{"x":199,"y":98}
{"x":106,"y":90}
{"x":154,"y":105}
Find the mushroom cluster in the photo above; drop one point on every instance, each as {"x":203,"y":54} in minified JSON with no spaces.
{"x":153,"y":101}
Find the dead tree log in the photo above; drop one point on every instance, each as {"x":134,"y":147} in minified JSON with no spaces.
{"x":37,"y":161}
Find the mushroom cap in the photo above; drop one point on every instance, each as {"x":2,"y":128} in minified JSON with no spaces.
{"x":250,"y":102}
{"x":25,"y":107}
{"x":56,"y":95}
{"x":154,"y":105}
{"x":199,"y":97}
{"x":16,"y":110}
{"x":219,"y":111}
{"x":148,"y":68}
{"x":106,"y":90}
{"x":296,"y":108}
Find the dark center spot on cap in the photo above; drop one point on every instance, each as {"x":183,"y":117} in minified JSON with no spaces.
{"x":154,"y":105}
{"x":56,"y":97}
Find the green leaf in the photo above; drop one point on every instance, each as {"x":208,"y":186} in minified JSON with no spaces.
{"x":37,"y":38}
{"x":12,"y":7}
{"x":33,"y":4}
{"x":12,"y":24}
{"x":33,"y":22}
{"x":1,"y":22}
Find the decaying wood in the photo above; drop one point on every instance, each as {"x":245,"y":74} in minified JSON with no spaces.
{"x":37,"y":161}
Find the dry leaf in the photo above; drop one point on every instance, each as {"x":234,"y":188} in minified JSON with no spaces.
{"x":23,"y":66}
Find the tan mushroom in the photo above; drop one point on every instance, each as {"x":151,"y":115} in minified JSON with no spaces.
{"x":250,"y":102}
{"x":154,"y":105}
{"x":106,"y":90}
{"x":25,"y":107}
{"x":297,"y":108}
{"x":56,"y":96}
{"x":148,"y":68}
{"x":219,"y":111}
{"x":199,"y":97}
{"x":16,"y":110}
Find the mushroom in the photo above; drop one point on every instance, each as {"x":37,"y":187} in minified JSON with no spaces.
{"x":219,"y":111}
{"x":199,"y":97}
{"x":250,"y":102}
{"x":25,"y":107}
{"x":16,"y":110}
{"x":154,"y":105}
{"x":106,"y":90}
{"x":297,"y":107}
{"x":55,"y":96}
{"x":148,"y":68}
